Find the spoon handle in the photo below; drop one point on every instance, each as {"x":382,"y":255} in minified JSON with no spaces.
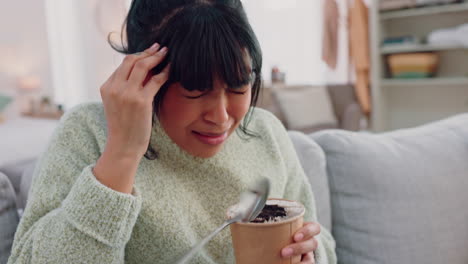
{"x":196,"y":248}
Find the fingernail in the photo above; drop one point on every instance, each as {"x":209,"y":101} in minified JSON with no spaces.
{"x":154,"y":47}
{"x":287,"y":252}
{"x":299,"y":237}
{"x":163,"y":50}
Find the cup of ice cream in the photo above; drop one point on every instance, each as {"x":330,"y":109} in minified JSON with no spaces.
{"x":261,"y":240}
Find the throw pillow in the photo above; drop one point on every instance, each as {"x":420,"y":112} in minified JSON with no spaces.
{"x":305,"y":106}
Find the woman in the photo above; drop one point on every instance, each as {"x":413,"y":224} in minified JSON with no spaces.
{"x":138,"y":180}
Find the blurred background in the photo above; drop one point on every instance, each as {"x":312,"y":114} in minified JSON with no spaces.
{"x":347,"y":64}
{"x":367,"y":66}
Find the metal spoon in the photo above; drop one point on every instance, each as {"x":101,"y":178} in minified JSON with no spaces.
{"x":249,"y":207}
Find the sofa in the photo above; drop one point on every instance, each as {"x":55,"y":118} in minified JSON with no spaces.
{"x":395,"y":197}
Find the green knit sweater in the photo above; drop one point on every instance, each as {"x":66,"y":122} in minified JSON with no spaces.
{"x":177,"y":199}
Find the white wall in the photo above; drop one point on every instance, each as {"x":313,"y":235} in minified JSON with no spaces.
{"x":23,"y":47}
{"x":103,"y":60}
{"x":289,"y":33}
{"x":61,"y":45}
{"x":82,"y":57}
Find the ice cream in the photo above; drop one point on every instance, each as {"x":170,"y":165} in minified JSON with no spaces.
{"x":278,"y":210}
{"x":275,"y":210}
{"x":261,"y":240}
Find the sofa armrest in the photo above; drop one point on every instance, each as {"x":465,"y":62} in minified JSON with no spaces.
{"x":351,"y":119}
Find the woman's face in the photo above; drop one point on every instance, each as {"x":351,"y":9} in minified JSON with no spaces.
{"x":200,"y":122}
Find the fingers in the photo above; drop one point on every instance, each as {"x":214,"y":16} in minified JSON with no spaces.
{"x":155,"y":83}
{"x":309,"y":230}
{"x":308,"y":258}
{"x":143,"y":66}
{"x":305,"y":240}
{"x":125,"y":68}
{"x":301,"y":248}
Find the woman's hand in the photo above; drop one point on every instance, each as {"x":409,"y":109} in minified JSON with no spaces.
{"x":127,"y":97}
{"x":305,"y":244}
{"x":128,"y":105}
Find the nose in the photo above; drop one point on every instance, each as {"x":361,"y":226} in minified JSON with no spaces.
{"x":217,"y":112}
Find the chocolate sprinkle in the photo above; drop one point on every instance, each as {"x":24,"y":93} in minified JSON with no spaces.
{"x":269,"y":213}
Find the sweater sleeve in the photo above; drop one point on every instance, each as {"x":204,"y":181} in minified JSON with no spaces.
{"x":70,"y":216}
{"x":298,"y":188}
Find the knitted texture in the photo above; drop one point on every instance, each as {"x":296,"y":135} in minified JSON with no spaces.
{"x":177,"y":200}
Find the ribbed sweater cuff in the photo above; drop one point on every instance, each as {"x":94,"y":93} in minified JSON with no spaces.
{"x":100,"y":212}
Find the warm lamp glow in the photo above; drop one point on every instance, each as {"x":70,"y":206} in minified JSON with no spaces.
{"x":29,"y":83}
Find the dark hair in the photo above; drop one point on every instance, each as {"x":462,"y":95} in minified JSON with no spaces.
{"x":206,"y":39}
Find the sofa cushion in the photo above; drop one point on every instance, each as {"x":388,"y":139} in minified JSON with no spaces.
{"x":400,"y":197}
{"x":312,"y":160}
{"x":8,"y":217}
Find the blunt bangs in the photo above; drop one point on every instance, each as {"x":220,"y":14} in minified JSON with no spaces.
{"x":207,"y":43}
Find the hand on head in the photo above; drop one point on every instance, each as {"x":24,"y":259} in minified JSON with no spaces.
{"x":128,"y":105}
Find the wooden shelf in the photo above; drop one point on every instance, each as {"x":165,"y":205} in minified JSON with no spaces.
{"x":424,"y":11}
{"x":401,"y":103}
{"x":437,"y":81}
{"x":393,"y":49}
{"x":55,"y":115}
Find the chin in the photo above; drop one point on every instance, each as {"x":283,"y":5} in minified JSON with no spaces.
{"x":207,"y":152}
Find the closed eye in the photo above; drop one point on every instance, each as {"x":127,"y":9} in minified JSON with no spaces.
{"x":195,"y":96}
{"x":237,"y":92}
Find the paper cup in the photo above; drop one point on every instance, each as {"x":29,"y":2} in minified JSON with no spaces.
{"x":257,"y":243}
